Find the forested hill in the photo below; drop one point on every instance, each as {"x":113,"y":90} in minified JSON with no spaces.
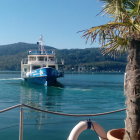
{"x":12,"y":54}
{"x":89,"y":59}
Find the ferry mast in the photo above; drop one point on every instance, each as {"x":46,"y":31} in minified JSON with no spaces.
{"x":41,"y":45}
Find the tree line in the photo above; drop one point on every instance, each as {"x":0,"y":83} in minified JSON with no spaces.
{"x":81,"y":60}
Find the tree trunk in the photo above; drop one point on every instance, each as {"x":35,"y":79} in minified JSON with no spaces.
{"x":132,"y":92}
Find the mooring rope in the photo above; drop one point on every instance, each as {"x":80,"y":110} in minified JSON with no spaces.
{"x":10,"y":108}
{"x":75,"y":115}
{"x":59,"y":113}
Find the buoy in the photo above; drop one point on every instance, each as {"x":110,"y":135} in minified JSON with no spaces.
{"x":84,"y":125}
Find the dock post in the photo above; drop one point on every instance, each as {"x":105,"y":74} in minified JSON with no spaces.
{"x":21,"y":123}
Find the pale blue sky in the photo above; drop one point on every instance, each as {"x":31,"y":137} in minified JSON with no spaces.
{"x":57,"y":20}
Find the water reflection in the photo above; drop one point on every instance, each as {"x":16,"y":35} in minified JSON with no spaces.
{"x":44,"y":97}
{"x":41,"y":96}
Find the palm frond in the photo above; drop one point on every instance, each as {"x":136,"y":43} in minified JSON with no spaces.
{"x":115,"y":35}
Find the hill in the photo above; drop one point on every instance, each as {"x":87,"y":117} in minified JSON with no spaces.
{"x":89,"y":59}
{"x":12,"y":54}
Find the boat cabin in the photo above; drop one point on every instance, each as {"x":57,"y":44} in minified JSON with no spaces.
{"x":37,"y":59}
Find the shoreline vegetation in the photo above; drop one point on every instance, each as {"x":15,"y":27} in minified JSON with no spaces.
{"x":75,"y":60}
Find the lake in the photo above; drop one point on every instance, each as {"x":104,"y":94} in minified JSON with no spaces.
{"x":77,"y":94}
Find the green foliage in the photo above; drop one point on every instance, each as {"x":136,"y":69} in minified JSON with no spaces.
{"x":91,"y":59}
{"x":124,"y":27}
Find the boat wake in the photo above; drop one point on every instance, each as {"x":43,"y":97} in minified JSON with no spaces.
{"x":80,"y":89}
{"x":11,"y":79}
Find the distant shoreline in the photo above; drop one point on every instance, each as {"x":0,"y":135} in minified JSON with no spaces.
{"x":105,"y":72}
{"x":71,"y":72}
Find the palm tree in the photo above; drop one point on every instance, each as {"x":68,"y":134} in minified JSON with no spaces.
{"x":123,"y":34}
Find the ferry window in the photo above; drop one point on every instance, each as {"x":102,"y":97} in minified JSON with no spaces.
{"x":35,"y":67}
{"x":51,"y":58}
{"x":32,"y":58}
{"x":45,"y":58}
{"x":52,"y":66}
{"x":40,"y":58}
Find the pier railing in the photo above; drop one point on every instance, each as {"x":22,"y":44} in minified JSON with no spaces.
{"x":21,"y":106}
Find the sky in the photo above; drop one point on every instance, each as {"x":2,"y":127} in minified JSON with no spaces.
{"x":59,"y":21}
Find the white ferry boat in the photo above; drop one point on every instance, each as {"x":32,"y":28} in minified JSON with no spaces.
{"x":41,"y":67}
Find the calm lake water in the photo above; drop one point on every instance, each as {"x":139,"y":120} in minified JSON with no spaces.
{"x":79,"y":93}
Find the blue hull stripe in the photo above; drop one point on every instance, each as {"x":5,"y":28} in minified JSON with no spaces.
{"x":43,"y":76}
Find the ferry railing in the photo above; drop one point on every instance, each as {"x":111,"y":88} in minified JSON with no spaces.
{"x":45,"y":52}
{"x":41,"y":62}
{"x":21,"y":122}
{"x":29,"y":61}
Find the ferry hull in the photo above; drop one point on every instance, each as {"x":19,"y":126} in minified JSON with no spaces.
{"x":43,"y":76}
{"x":36,"y":80}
